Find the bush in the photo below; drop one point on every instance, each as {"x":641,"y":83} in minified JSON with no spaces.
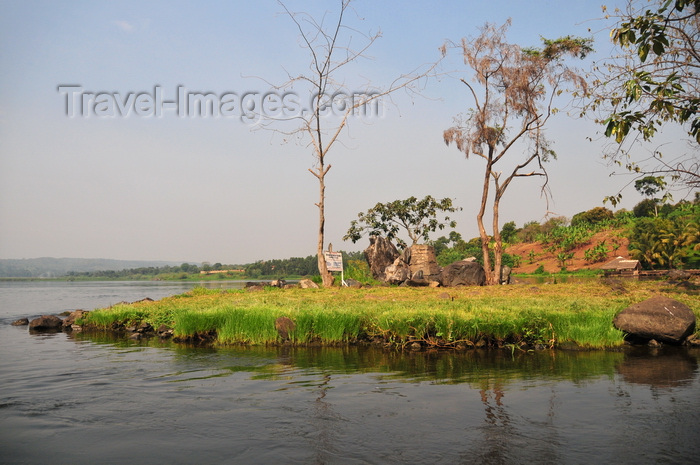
{"x":593,"y":216}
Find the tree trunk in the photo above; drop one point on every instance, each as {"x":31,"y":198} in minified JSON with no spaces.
{"x":326,"y":275}
{"x":498,"y":243}
{"x":480,"y":219}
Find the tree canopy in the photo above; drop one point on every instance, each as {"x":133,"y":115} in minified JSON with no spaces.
{"x":654,"y":81}
{"x":418,"y":218}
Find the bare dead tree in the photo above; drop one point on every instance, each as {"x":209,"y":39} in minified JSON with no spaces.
{"x":512,"y":91}
{"x":332,"y":104}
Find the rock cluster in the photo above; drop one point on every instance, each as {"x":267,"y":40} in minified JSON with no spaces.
{"x":54,"y":323}
{"x":417,"y":266}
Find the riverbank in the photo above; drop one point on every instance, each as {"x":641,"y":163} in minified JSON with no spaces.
{"x":521,"y":316}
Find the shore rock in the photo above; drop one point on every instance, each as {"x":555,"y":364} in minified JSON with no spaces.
{"x":659,"y":318}
{"x":307,"y":284}
{"x":164,"y":331}
{"x":69,"y":321}
{"x":21,"y":322}
{"x":46,"y":323}
{"x":284,"y":326}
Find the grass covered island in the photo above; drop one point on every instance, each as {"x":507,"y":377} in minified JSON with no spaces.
{"x":520,"y":316}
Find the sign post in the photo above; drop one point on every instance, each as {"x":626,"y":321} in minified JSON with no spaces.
{"x":334,"y":262}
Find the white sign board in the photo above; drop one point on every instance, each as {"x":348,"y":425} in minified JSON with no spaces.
{"x":334,"y":261}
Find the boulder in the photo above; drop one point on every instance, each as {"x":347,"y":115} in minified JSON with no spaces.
{"x":69,"y":321}
{"x":421,"y":261}
{"x":463,"y":273}
{"x":164,"y":331}
{"x":307,"y":284}
{"x":659,"y":318}
{"x":380,"y":254}
{"x":397,"y":272}
{"x":353,"y":283}
{"x":46,"y":323}
{"x":284,"y":326}
{"x":21,"y":322}
{"x":678,"y":275}
{"x":505,"y":274}
{"x":256,"y":284}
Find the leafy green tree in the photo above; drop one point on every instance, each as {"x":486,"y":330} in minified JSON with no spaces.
{"x":417,"y":218}
{"x":646,"y":208}
{"x":553,"y":223}
{"x":530,"y":231}
{"x":593,"y":216}
{"x":509,"y":232}
{"x":654,"y":80}
{"x":649,"y":186}
{"x":512,"y":90}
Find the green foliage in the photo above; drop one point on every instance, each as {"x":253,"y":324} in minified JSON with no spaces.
{"x":649,"y":186}
{"x":593,"y":216}
{"x":294,"y":266}
{"x":567,"y":238}
{"x":654,"y":82}
{"x":650,"y":32}
{"x":598,"y":253}
{"x":669,"y":240}
{"x":555,"y":49}
{"x":531,"y":257}
{"x":359,"y":271}
{"x":646,"y":208}
{"x":530,"y":231}
{"x":459,"y":250}
{"x":418,"y":218}
{"x":509,"y":232}
{"x":563,"y":258}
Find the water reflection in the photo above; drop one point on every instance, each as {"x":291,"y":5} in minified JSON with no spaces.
{"x":665,"y":367}
{"x":351,"y":405}
{"x":487,"y":370}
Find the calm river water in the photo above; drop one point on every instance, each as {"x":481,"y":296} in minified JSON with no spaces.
{"x":76,"y":399}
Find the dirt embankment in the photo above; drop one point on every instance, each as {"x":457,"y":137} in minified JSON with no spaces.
{"x":534,"y":254}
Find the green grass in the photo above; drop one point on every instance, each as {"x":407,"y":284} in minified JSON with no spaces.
{"x":548,"y":315}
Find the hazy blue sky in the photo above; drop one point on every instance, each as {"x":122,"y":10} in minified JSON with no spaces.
{"x":210,"y":189}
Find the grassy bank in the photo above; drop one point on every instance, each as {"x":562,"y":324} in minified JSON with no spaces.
{"x":516,"y":315}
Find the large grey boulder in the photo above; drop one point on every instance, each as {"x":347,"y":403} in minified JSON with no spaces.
{"x":463,"y":273}
{"x":380,"y":254}
{"x":659,"y":318}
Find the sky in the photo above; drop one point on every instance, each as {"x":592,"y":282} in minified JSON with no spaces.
{"x":147,"y":183}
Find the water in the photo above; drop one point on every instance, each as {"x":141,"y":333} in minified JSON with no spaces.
{"x":84,"y":400}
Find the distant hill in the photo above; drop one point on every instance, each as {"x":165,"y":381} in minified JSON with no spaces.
{"x":48,"y":267}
